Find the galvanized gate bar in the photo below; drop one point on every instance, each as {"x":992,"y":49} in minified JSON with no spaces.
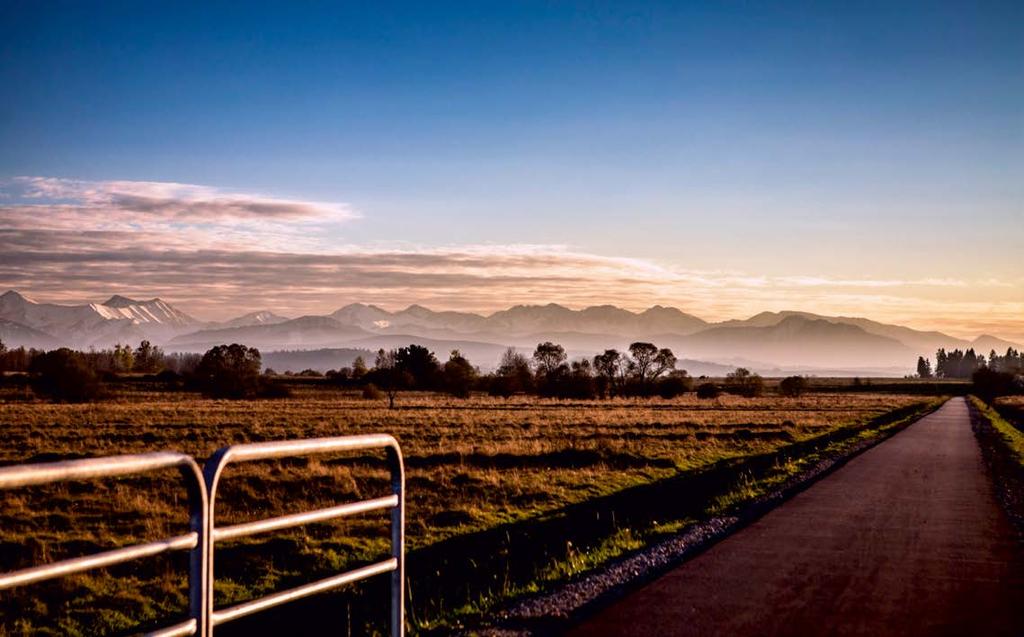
{"x":195,"y":541}
{"x":203,"y":533}
{"x":183,"y":629}
{"x":298,"y":519}
{"x":212,"y":471}
{"x":74,"y":565}
{"x":106,"y":467}
{"x":283,"y":597}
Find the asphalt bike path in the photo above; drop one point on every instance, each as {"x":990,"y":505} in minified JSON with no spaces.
{"x":905,"y":539}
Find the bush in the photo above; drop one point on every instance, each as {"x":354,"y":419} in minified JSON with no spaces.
{"x":502,"y":386}
{"x":168,"y":376}
{"x":989,"y":384}
{"x":708,"y":390}
{"x":370,"y":392}
{"x":674,"y":385}
{"x":338,"y":376}
{"x":273,"y":389}
{"x":230,"y":371}
{"x":743,"y":382}
{"x":169,"y":379}
{"x":792,"y":386}
{"x":64,"y":375}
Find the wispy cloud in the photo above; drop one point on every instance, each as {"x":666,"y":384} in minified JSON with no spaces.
{"x":172,"y":214}
{"x":171,"y":201}
{"x":222,"y":253}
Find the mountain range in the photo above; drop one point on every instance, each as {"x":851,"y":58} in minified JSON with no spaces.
{"x":769,"y":341}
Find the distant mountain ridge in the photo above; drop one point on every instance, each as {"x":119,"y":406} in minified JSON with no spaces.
{"x":523,"y":320}
{"x":769,"y":340}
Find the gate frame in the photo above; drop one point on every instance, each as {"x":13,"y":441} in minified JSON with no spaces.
{"x":194,"y":541}
{"x":200,"y":541}
{"x":212,"y":471}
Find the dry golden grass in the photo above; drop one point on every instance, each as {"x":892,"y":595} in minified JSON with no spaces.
{"x":471,"y":465}
{"x":1011,"y":401}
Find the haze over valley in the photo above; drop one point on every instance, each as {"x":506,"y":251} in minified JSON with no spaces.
{"x":770,"y":342}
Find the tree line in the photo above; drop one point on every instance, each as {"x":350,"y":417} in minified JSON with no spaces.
{"x":225,"y":371}
{"x":998,"y":375}
{"x":643,"y":370}
{"x":965,"y":363}
{"x":235,"y":371}
{"x":120,"y":359}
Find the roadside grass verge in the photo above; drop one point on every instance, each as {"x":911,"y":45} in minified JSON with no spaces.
{"x":1002,"y":446}
{"x":1011,"y":437}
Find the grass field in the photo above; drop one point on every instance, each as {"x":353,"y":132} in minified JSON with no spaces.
{"x":473,"y":466}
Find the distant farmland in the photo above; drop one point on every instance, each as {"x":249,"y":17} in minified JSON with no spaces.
{"x":478,"y":470}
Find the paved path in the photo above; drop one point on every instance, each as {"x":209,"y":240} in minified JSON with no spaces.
{"x":906,"y":539}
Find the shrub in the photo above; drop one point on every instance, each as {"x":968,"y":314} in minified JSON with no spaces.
{"x":229,"y":371}
{"x":169,"y":379}
{"x":674,"y":385}
{"x":168,"y":376}
{"x":708,"y":390}
{"x":338,"y":376}
{"x":370,"y":392}
{"x":792,"y":386}
{"x":273,"y":389}
{"x":743,"y":382}
{"x":989,"y":384}
{"x":503,"y":386}
{"x":64,"y":375}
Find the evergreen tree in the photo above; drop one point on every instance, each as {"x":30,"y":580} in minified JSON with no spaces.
{"x":924,"y":367}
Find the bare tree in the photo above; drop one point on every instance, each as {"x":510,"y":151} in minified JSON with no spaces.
{"x":548,"y":358}
{"x":611,"y":369}
{"x":388,"y":375}
{"x":648,"y":362}
{"x":513,"y":374}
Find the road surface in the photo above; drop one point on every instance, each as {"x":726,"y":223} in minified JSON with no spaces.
{"x":905,"y":539}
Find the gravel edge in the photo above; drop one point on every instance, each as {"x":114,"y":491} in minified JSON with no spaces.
{"x":554,"y":611}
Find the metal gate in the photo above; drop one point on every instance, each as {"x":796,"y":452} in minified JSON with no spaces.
{"x":203,"y":533}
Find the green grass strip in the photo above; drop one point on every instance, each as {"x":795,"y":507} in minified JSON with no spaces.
{"x":1011,"y":437}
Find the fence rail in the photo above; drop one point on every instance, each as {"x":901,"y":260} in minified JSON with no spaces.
{"x":114,"y":466}
{"x":203,"y":533}
{"x":213,"y":471}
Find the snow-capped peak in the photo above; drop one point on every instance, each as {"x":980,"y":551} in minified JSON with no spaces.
{"x":152,"y":311}
{"x":123,"y":301}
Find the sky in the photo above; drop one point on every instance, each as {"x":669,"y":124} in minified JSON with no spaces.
{"x":726,"y":158}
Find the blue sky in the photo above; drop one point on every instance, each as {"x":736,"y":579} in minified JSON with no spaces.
{"x":844,"y":140}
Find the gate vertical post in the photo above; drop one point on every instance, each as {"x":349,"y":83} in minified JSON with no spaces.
{"x":397,"y":619}
{"x":198,"y":558}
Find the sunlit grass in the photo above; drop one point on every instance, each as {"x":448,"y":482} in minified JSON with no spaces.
{"x":1011,"y":437}
{"x":471,"y":466}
